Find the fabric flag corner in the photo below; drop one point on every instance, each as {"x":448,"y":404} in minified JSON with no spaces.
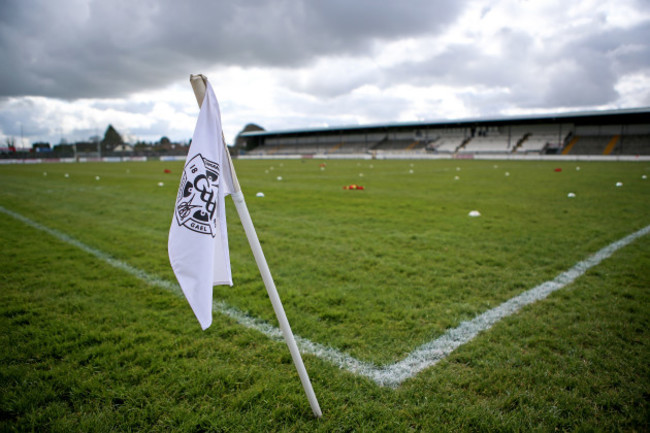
{"x":198,"y":236}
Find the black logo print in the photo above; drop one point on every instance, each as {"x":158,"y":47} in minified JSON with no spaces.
{"x":196,"y":203}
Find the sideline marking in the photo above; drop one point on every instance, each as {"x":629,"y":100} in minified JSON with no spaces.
{"x":390,"y":375}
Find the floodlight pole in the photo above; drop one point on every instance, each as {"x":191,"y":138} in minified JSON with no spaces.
{"x":199,"y":87}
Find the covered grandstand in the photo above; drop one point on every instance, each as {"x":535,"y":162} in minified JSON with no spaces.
{"x":608,"y":133}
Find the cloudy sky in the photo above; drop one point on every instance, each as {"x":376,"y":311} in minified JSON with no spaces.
{"x":68,"y":68}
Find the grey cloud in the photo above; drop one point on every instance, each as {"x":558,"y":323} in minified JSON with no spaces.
{"x":580,"y":72}
{"x":597,"y":61}
{"x":330,"y":81}
{"x":71,"y":49}
{"x":467,"y":64}
{"x":13,"y":120}
{"x":126,"y":105}
{"x":370,"y":107}
{"x":153,"y":133}
{"x":628,"y":50}
{"x":584,"y":78}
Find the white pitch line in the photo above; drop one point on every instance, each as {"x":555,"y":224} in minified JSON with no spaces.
{"x":391,"y":375}
{"x":430,"y":353}
{"x":329,"y":354}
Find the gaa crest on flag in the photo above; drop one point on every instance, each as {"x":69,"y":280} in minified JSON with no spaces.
{"x":196,"y":203}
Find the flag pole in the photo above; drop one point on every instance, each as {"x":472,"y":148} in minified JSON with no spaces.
{"x":199,"y":88}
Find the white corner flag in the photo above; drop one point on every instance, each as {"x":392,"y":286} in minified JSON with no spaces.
{"x":198,"y":237}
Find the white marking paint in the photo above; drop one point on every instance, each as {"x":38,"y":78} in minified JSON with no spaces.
{"x":391,"y":375}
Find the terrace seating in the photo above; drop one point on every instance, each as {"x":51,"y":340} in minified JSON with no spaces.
{"x":348,"y":148}
{"x":399,"y":145}
{"x":590,"y":144}
{"x":313,"y":146}
{"x":536,"y":143}
{"x":519,"y":139}
{"x":633,"y":145}
{"x":445,"y":143}
{"x":491,"y":144}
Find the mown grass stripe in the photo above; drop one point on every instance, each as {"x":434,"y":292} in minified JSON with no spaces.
{"x":391,"y":375}
{"x":307,"y":347}
{"x":430,"y":353}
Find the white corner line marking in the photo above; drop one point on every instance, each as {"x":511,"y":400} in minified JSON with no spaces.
{"x":390,"y":375}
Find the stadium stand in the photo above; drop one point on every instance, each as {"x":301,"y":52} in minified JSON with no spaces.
{"x":611,"y":132}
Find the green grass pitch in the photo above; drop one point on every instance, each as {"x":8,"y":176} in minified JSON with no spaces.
{"x":372,"y":273}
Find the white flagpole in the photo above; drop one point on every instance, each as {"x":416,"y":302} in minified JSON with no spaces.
{"x":198,"y":85}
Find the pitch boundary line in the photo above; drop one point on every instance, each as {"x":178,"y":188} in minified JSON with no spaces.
{"x":390,"y":375}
